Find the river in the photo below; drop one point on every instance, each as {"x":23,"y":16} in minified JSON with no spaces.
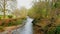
{"x":26,"y":29}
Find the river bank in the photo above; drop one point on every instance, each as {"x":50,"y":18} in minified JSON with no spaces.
{"x":8,"y":30}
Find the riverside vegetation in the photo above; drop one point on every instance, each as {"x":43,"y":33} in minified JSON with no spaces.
{"x":10,"y":21}
{"x":46,"y":15}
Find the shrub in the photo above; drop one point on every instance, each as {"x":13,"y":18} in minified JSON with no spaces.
{"x":51,"y":30}
{"x":58,"y":30}
{"x":10,"y":23}
{"x":1,"y":28}
{"x":10,"y":16}
{"x":3,"y":23}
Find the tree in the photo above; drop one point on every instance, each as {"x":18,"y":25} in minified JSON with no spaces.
{"x":16,"y":13}
{"x":45,"y":12}
{"x":4,"y":4}
{"x":39,"y":9}
{"x":23,"y":12}
{"x":20,"y":13}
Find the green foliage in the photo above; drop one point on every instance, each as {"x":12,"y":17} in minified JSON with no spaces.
{"x":51,"y":30}
{"x":1,"y":28}
{"x":15,"y":22}
{"x":10,"y":16}
{"x":54,"y":30}
{"x":38,"y":10}
{"x":12,"y":22}
{"x":45,"y":10}
{"x":0,"y":18}
{"x":56,"y":4}
{"x":58,"y":30}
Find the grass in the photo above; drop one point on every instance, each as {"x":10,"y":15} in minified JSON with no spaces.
{"x":10,"y":21}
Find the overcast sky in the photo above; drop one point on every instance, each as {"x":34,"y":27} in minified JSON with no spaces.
{"x":25,"y":3}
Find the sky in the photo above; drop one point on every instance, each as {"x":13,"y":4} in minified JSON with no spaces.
{"x":24,"y":3}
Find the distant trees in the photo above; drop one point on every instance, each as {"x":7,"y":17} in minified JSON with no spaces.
{"x":23,"y":12}
{"x":20,"y":13}
{"x":16,"y":12}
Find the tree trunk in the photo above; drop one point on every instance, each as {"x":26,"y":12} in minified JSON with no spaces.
{"x":4,"y":10}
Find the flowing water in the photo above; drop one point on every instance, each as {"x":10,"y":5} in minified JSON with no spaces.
{"x":26,"y":29}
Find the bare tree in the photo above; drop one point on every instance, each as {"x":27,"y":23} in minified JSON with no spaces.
{"x":20,"y":13}
{"x":5,"y":5}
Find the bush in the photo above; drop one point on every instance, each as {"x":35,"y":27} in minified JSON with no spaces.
{"x":15,"y":22}
{"x":9,"y":24}
{"x":58,"y":30}
{"x":1,"y":28}
{"x":51,"y":30}
{"x":10,"y":16}
{"x":12,"y":22}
